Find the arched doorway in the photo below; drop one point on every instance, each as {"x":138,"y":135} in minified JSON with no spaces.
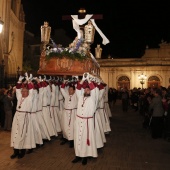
{"x":154,"y":81}
{"x":123,"y":82}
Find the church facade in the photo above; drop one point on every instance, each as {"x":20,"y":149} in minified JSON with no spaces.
{"x":12,"y":36}
{"x":154,"y":66}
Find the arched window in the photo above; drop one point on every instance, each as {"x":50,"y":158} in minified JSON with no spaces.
{"x":153,"y":81}
{"x":123,"y":78}
{"x":153,"y":78}
{"x":123,"y":82}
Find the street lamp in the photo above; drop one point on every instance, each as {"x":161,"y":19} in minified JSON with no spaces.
{"x":142,"y":79}
{"x":2,"y":65}
{"x":1,"y":25}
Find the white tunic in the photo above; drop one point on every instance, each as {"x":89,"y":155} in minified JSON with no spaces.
{"x":46,"y":111}
{"x":84,"y":135}
{"x":36,"y":128}
{"x":99,"y":131}
{"x":52,"y":113}
{"x":41,"y":121}
{"x":106,"y":105}
{"x":61,"y":104}
{"x":104,"y":118}
{"x":56,"y":109}
{"x":22,"y":136}
{"x":69,"y":113}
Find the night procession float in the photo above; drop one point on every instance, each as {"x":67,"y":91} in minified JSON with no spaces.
{"x":76,"y":59}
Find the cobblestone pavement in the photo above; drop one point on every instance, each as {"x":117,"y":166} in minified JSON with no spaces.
{"x":128,"y":147}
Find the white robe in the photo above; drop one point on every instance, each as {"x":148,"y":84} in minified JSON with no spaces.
{"x":22,"y":136}
{"x":61,"y":104}
{"x":46,"y":112}
{"x":106,"y":104}
{"x":41,"y":121}
{"x":99,"y":131}
{"x":52,"y":113}
{"x":84,"y":135}
{"x":104,"y":118}
{"x":69,"y":113}
{"x":56,"y":109}
{"x":36,"y":128}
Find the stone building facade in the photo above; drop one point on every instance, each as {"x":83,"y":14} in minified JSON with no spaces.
{"x":12,"y":36}
{"x":155,"y":64}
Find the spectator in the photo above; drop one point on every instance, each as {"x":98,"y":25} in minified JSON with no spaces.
{"x":114,"y":95}
{"x":8,"y":104}
{"x":14,"y":102}
{"x":2,"y":113}
{"x":125,"y":100}
{"x":110,"y":98}
{"x":157,"y":115}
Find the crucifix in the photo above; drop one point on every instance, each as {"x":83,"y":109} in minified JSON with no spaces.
{"x":85,"y":33}
{"x":87,"y":30}
{"x":82,"y":13}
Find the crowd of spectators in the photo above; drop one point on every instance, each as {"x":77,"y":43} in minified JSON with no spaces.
{"x":153,"y":104}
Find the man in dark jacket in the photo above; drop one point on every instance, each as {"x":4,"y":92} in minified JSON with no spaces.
{"x":8,"y":104}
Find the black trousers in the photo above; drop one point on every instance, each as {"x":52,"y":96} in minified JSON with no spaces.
{"x":157,"y":127}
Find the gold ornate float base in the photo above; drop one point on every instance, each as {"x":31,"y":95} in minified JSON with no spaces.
{"x":65,"y":66}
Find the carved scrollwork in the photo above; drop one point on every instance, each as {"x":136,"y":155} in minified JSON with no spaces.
{"x":64,"y":64}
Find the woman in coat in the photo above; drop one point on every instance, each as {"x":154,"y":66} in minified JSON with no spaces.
{"x":157,"y":109}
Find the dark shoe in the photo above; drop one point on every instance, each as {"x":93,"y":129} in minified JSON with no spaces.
{"x":21,"y":156}
{"x":63,"y":142}
{"x":22,"y":153}
{"x":15,"y":154}
{"x":84,"y":161}
{"x":38,"y":145}
{"x":29,"y":151}
{"x":77,"y":159}
{"x":71,"y":145}
{"x":41,"y":145}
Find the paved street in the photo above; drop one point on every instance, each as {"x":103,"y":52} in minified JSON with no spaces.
{"x":128,"y":147}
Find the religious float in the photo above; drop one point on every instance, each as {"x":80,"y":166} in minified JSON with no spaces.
{"x":75,"y":59}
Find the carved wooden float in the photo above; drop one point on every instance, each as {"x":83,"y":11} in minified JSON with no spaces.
{"x":65,"y":66}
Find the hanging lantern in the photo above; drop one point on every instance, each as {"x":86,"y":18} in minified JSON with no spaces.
{"x":45,"y":33}
{"x":89,"y":31}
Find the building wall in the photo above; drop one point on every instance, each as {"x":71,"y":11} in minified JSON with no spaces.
{"x":155,"y":62}
{"x":11,"y":13}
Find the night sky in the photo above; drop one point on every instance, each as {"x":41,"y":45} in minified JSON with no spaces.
{"x":129,"y":25}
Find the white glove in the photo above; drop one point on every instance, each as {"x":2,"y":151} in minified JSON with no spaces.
{"x":45,"y":77}
{"x":21,"y":78}
{"x":88,"y":76}
{"x":35,"y":78}
{"x":40,"y":78}
{"x":26,"y":76}
{"x":50,"y":78}
{"x":30,"y":77}
{"x":84,"y":76}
